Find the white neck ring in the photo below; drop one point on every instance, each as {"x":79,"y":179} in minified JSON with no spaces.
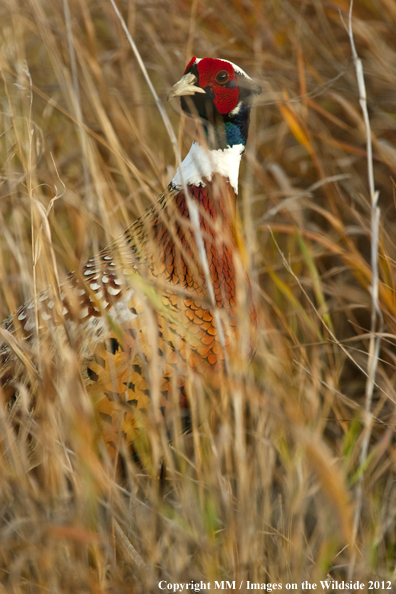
{"x":202,"y":163}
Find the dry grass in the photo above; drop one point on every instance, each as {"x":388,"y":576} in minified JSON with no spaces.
{"x":270,"y":482}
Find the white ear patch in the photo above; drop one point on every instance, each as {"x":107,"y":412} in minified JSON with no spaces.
{"x":236,"y":109}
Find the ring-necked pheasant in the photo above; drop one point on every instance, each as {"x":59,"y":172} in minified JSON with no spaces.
{"x":162,"y":299}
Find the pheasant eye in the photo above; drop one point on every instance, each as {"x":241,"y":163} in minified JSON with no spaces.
{"x":222,"y":77}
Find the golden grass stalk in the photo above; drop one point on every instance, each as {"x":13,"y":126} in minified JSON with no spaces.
{"x":262,"y":487}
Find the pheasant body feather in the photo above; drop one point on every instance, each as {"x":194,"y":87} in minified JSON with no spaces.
{"x":143,"y":302}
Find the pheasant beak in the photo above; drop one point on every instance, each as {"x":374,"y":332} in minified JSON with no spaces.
{"x":185,"y":86}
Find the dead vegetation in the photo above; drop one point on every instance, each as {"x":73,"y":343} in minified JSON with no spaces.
{"x":289,"y":471}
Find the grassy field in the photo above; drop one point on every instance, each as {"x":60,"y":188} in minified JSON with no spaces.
{"x":289,"y":472}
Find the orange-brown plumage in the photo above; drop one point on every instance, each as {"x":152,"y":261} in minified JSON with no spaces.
{"x":142,"y":308}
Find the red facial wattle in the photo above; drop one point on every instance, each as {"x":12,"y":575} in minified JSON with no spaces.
{"x":225,"y":97}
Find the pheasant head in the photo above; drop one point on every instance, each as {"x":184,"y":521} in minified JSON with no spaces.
{"x":220,"y":94}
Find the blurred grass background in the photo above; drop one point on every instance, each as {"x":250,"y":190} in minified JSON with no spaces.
{"x":270,"y":491}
